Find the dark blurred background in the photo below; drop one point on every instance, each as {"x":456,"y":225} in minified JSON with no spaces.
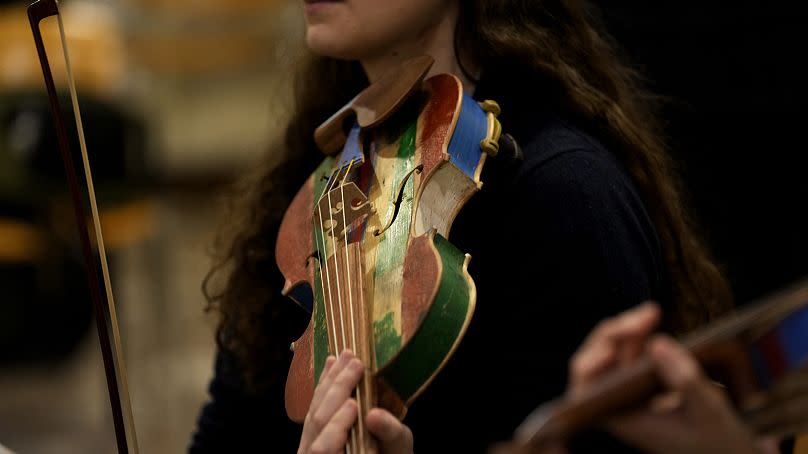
{"x":735,"y":80}
{"x":156,"y":76}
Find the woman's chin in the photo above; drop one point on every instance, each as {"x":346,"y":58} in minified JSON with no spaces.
{"x":326,"y":45}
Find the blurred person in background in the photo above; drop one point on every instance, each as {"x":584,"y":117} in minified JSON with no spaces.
{"x":694,"y":415}
{"x":594,"y":220}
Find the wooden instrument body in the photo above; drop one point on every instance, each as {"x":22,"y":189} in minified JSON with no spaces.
{"x":417,"y":169}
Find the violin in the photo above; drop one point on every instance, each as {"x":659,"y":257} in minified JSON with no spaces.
{"x":759,"y":354}
{"x":363,"y":245}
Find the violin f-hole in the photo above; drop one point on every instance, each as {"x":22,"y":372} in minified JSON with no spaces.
{"x":399,"y":197}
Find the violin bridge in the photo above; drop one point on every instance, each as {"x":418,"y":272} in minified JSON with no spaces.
{"x":340,"y":208}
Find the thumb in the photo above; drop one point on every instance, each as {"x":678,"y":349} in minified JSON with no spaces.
{"x":680,"y":371}
{"x":394,"y":437}
{"x":674,"y":365}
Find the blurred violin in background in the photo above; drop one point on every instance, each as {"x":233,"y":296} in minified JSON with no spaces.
{"x":759,"y":355}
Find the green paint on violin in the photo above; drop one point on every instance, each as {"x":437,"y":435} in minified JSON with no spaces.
{"x":393,"y":245}
{"x":387,"y":338}
{"x":320,"y":329}
{"x":442,"y":328}
{"x":392,"y":249}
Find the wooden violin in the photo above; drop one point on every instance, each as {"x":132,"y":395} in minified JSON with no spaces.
{"x":363,"y":246}
{"x":760,"y":354}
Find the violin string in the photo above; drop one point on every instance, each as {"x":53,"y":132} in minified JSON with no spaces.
{"x":334,"y":234}
{"x":329,"y":186}
{"x":351,"y":307}
{"x":336,"y":266}
{"x":327,"y":194}
{"x":324,"y":258}
{"x":347,"y":258}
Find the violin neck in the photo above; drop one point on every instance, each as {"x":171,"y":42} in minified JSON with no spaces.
{"x":348,"y":320}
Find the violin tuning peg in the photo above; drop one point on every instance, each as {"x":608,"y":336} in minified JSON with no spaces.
{"x":509,"y":148}
{"x":490,"y":106}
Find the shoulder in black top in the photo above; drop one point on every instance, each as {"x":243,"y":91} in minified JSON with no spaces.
{"x":558,"y":242}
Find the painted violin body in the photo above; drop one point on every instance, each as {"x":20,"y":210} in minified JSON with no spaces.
{"x":363,"y":245}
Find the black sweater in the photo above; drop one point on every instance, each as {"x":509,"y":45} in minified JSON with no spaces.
{"x":558,"y":241}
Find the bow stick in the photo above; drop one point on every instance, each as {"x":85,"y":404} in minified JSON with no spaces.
{"x":106,"y":320}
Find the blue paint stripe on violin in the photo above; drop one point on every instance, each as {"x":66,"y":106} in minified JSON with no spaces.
{"x":471,"y":128}
{"x":782,"y":349}
{"x":793,"y":334}
{"x":352,"y":150}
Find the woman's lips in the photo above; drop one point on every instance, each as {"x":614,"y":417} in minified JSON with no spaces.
{"x":312,"y":6}
{"x":315,"y":6}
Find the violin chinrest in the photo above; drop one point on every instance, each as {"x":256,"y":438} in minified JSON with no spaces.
{"x":374,"y":104}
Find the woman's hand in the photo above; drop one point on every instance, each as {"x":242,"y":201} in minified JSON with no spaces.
{"x":694,"y":417}
{"x":394,"y":437}
{"x":333,"y":412}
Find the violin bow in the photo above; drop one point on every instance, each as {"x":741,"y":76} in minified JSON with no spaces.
{"x":106,"y":319}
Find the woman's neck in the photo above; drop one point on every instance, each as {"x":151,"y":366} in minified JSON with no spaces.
{"x":436,"y":41}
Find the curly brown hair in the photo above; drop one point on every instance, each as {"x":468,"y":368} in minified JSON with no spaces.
{"x":565,"y":54}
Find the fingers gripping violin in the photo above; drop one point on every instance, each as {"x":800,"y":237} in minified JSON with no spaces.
{"x":363,"y":245}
